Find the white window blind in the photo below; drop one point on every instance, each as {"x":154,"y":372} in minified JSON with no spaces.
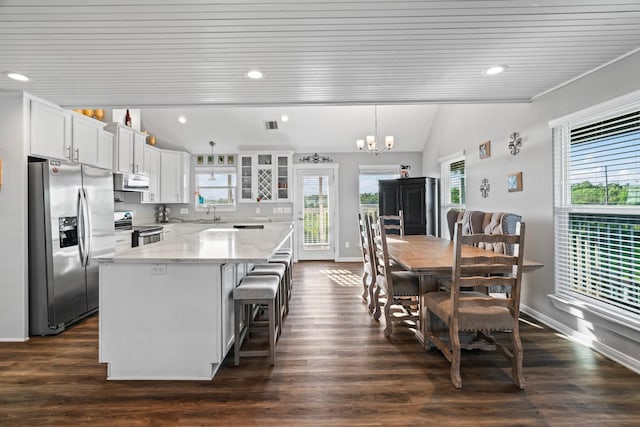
{"x":597,"y":211}
{"x":452,"y":178}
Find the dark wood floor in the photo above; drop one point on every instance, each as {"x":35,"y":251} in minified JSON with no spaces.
{"x":334,"y":367}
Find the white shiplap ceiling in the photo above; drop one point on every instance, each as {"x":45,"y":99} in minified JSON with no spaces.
{"x":144,"y":53}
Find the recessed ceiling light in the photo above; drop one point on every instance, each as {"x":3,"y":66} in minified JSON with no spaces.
{"x":16,"y":76}
{"x":182,"y":119}
{"x":495,"y":69}
{"x":284,"y":118}
{"x":254,"y":74}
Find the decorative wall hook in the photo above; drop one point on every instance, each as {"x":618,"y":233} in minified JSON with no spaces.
{"x":485,"y":187}
{"x":515,"y":143}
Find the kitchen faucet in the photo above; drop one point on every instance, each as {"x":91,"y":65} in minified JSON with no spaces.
{"x":215,"y":218}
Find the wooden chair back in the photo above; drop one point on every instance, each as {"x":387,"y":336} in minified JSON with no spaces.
{"x":393,"y":224}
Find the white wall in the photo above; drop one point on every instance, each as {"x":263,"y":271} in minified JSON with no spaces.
{"x":464,"y":127}
{"x":13,"y":220}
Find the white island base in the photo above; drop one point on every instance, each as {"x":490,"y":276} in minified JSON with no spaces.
{"x":165,"y":321}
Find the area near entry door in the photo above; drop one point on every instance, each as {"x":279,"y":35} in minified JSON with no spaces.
{"x":315,"y":212}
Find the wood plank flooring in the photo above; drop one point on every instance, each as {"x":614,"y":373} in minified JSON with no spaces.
{"x":334,"y":367}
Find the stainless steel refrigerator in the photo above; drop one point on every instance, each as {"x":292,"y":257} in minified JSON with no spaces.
{"x":70,"y":221}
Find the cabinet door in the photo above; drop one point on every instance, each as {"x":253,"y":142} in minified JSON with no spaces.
{"x":50,"y":131}
{"x":86,"y":136}
{"x":105,"y":150}
{"x":414,"y":207}
{"x":124,"y":150}
{"x":389,"y":197}
{"x":139,"y":140}
{"x":169,"y":170}
{"x":184,"y":177}
{"x":283,"y":174}
{"x":246,"y":178}
{"x":265,"y":181}
{"x":152,"y":169}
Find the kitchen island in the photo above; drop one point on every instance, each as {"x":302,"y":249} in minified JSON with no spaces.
{"x":166,"y":309}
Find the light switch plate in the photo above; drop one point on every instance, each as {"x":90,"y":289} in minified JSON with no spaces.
{"x":184,"y":211}
{"x":158,"y":269}
{"x":257,"y":210}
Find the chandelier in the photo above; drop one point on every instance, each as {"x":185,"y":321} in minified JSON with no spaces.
{"x":372,"y":143}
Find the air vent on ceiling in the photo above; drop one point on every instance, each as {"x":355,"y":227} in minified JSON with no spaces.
{"x":271,"y":124}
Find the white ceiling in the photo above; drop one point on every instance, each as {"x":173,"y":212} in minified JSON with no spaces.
{"x":149,"y":54}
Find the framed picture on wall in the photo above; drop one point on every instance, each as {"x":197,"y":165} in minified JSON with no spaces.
{"x":230,"y":159}
{"x":200,"y":160}
{"x":221,"y":159}
{"x":210,"y":160}
{"x":514,"y":181}
{"x":485,"y":150}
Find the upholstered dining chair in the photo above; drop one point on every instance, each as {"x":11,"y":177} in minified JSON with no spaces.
{"x":395,"y":287}
{"x":478,"y":312}
{"x":368,"y":275}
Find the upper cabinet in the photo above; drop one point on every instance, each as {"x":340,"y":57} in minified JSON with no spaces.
{"x":128,"y":149}
{"x":264,"y":177}
{"x":56,"y":133}
{"x":105,"y":150}
{"x":152,"y":169}
{"x":174,"y":177}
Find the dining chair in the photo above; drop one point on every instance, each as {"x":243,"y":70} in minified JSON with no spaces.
{"x":471,"y":311}
{"x":367,"y":275}
{"x":393,"y":224}
{"x":395,"y":287}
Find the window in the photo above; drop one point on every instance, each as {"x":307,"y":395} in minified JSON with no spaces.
{"x":215,"y":188}
{"x":597,"y":212}
{"x":369,"y":177}
{"x":452,"y":178}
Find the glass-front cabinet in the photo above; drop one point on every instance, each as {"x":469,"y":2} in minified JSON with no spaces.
{"x":264,"y":177}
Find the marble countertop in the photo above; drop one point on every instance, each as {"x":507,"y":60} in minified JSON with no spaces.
{"x":214,"y":245}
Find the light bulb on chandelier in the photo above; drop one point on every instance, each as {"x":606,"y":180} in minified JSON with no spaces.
{"x":372,"y":144}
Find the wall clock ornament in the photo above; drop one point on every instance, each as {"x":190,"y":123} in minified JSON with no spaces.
{"x":485,"y":187}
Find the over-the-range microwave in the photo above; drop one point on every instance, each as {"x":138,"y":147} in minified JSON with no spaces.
{"x":130,"y":182}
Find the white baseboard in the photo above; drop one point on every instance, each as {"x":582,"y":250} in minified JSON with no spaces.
{"x":349,"y":259}
{"x":14,"y":339}
{"x":578,"y":337}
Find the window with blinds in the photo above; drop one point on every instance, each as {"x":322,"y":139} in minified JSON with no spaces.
{"x":597,"y":212}
{"x":453,"y":182}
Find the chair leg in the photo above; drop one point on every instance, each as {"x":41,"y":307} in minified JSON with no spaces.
{"x":236,"y":342}
{"x":388,"y":329}
{"x":372,"y":289}
{"x":518,"y":377}
{"x":376,"y":299}
{"x":456,"y":379}
{"x":272,"y":331}
{"x":365,"y":291}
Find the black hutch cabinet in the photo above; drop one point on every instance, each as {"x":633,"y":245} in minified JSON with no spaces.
{"x":418,"y":199}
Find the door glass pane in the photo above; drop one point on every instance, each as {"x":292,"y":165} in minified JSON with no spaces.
{"x":316,"y":213}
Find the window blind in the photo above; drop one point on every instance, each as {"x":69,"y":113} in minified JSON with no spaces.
{"x":597,"y":212}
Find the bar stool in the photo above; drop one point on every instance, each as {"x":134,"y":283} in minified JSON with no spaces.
{"x":261,"y":290}
{"x":279,"y":270}
{"x":287,"y":261}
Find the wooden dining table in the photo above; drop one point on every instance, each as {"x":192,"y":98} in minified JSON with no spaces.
{"x":431,"y":258}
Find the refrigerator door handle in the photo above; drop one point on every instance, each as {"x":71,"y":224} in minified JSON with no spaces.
{"x":86,"y":213}
{"x":81,"y":229}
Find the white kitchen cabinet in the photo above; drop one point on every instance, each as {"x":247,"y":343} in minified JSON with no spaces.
{"x":169,"y":231}
{"x":128,"y":149}
{"x":174,"y":177}
{"x":122,"y":241}
{"x":49,"y":130}
{"x":86,"y":138}
{"x":264,"y":177}
{"x":152,"y":169}
{"x":105,"y":150}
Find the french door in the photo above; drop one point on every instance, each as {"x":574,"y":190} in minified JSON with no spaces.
{"x":315,"y":212}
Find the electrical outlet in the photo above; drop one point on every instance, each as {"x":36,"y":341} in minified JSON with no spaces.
{"x":158,"y":269}
{"x":184,"y":211}
{"x":275,"y":210}
{"x":346,"y":244}
{"x":257,"y":210}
